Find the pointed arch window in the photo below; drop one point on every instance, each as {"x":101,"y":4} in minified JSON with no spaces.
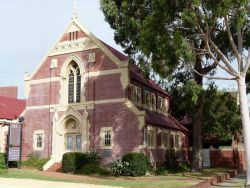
{"x":74,"y":84}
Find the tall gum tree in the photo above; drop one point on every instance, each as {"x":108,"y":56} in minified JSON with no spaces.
{"x":201,"y":35}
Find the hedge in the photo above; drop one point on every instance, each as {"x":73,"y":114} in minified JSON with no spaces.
{"x":74,"y":161}
{"x":137,"y":164}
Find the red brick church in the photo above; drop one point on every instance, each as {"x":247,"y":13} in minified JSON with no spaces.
{"x":85,"y":96}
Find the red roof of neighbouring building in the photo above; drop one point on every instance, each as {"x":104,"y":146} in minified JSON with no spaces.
{"x":10,"y":108}
{"x":164,"y":121}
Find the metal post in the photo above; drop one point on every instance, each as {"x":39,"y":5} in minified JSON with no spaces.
{"x":20,"y":147}
{"x":8,"y":141}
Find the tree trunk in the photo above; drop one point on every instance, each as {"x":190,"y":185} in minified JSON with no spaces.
{"x":244,"y":112}
{"x":197,"y":137}
{"x":197,"y":123}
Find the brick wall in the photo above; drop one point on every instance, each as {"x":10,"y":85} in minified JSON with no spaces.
{"x":102,"y":63}
{"x":9,"y":92}
{"x":127,"y":136}
{"x":227,"y":158}
{"x":36,"y":120}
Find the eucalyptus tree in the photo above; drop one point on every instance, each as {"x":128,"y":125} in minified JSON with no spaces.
{"x":202,"y":35}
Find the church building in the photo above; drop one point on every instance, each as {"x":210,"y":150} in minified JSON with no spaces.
{"x":85,"y":96}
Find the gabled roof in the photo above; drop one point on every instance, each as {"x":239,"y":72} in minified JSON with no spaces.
{"x":10,"y":108}
{"x":116,"y":56}
{"x":165,"y":121}
{"x":137,"y":76}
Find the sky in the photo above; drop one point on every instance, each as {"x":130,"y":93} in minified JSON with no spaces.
{"x":29,"y":28}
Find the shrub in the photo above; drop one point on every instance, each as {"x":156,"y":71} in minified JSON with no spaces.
{"x":3,"y":164}
{"x":174,"y":164}
{"x":91,"y":157}
{"x":93,"y":168}
{"x":160,"y":171}
{"x":35,"y":162}
{"x":74,"y":161}
{"x":137,"y":164}
{"x":120,"y":168}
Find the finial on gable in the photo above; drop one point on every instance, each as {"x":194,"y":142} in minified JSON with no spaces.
{"x":75,"y":10}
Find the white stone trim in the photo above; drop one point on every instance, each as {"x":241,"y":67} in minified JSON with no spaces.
{"x":140,"y":114}
{"x":151,"y":128}
{"x":102,"y":137}
{"x":72,"y":28}
{"x":59,"y":131}
{"x":99,"y":44}
{"x":72,"y":46}
{"x":3,"y":132}
{"x":86,"y":74}
{"x":174,"y":133}
{"x":34,"y":140}
{"x":162,"y":144}
{"x":53,"y":64}
{"x":78,"y":106}
{"x":44,"y":80}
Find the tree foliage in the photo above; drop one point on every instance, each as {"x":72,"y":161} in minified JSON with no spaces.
{"x":167,"y":31}
{"x":201,"y":35}
{"x":220,"y":115}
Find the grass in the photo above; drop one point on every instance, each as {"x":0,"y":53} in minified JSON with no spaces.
{"x":166,"y":181}
{"x":3,"y":171}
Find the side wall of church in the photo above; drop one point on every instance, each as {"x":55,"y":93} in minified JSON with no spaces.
{"x":127,"y":134}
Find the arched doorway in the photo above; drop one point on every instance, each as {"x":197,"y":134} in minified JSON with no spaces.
{"x":70,"y":133}
{"x":72,"y":136}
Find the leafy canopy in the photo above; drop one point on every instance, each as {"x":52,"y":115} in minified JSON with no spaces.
{"x":169,"y":31}
{"x":220,"y":113}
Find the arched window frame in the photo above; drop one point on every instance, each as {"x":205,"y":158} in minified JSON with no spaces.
{"x":74,"y":83}
{"x":64,"y":79}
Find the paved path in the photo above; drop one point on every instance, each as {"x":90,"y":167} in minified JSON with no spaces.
{"x":237,"y":181}
{"x":28,"y":183}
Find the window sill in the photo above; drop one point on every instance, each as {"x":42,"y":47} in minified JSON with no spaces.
{"x":163,"y":147}
{"x":151,"y":147}
{"x":142,"y":146}
{"x":38,"y":149}
{"x":107,"y":147}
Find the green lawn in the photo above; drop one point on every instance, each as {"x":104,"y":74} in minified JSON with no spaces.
{"x":170,"y":180}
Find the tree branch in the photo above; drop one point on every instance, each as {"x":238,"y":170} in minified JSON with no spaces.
{"x":229,"y":69}
{"x":240,"y":47}
{"x":223,"y":58}
{"x":208,"y":68}
{"x":217,"y":61}
{"x":244,"y":72}
{"x":229,"y":33}
{"x":209,"y":77}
